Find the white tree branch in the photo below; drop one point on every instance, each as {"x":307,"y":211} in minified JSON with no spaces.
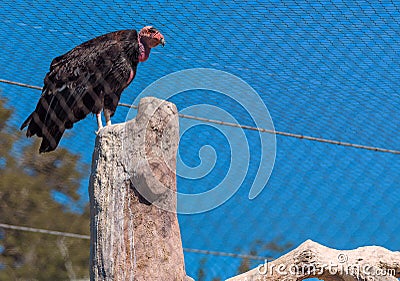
{"x":311,"y":259}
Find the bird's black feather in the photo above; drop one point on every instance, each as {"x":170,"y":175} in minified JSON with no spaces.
{"x":87,"y":79}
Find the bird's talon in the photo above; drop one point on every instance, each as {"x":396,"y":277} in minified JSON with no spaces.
{"x":98,"y":131}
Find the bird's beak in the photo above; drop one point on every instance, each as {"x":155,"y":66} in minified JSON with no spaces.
{"x":162,"y":42}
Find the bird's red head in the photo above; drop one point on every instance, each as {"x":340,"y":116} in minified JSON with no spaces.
{"x":151,"y":37}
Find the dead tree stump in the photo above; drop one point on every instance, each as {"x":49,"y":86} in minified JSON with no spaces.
{"x":134,"y":231}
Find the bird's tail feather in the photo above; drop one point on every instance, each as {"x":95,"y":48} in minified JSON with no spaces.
{"x":50,"y":130}
{"x":51,"y":137}
{"x":26,"y":122}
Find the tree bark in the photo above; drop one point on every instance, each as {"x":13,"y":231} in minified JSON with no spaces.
{"x":311,"y":259}
{"x":134,"y":231}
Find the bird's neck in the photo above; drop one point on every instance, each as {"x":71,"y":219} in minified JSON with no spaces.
{"x":144,"y":50}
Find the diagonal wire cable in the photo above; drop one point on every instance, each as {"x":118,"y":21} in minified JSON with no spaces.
{"x":87,"y":237}
{"x":43,"y":231}
{"x":20,"y":84}
{"x":246,"y":127}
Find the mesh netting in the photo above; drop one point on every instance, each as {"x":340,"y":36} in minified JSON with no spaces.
{"x":326,"y":69}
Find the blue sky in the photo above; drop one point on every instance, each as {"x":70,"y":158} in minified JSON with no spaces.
{"x":327,"y":69}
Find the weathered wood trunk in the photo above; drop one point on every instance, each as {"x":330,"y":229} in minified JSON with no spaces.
{"x":312,"y":260}
{"x":134,"y":234}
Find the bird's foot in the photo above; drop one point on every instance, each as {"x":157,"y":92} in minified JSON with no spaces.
{"x":100,"y":126}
